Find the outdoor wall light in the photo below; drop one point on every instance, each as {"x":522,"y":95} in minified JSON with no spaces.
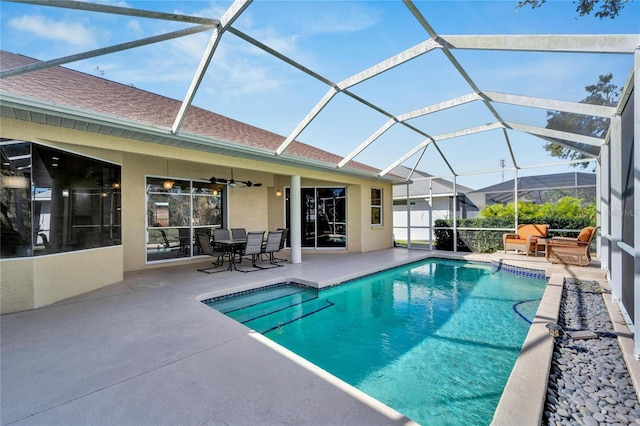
{"x":554,"y":330}
{"x":16,"y":182}
{"x":168,"y":183}
{"x":278,"y":192}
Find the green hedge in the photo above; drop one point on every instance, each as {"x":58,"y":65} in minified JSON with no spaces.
{"x":490,"y":241}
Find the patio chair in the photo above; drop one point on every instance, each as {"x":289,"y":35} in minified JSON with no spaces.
{"x":526,"y":238}
{"x":285,"y":234}
{"x":238,"y":233}
{"x":273,"y":244}
{"x":253,"y":248}
{"x":220,"y":234}
{"x":184,"y":234}
{"x":571,"y":251}
{"x":209,"y":250}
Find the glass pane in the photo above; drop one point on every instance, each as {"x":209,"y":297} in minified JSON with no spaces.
{"x":15,"y":199}
{"x":207,"y":204}
{"x":376,"y":217}
{"x":57,"y":201}
{"x":308,"y":200}
{"x":168,"y":208}
{"x":376,"y":196}
{"x":332,"y":218}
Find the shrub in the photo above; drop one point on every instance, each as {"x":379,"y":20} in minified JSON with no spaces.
{"x":566,"y":213}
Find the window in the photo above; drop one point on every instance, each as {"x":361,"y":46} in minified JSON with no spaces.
{"x":54,"y":201}
{"x":376,"y":206}
{"x":175,"y":215}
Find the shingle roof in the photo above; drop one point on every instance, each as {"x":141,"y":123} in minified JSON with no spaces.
{"x":420,"y":185}
{"x":63,"y":86}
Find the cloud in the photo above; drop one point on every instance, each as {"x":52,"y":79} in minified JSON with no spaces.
{"x":347,"y":18}
{"x":69,"y":32}
{"x":134,"y":26}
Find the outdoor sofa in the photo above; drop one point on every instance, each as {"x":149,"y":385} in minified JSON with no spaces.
{"x":526,"y":238}
{"x":571,"y":251}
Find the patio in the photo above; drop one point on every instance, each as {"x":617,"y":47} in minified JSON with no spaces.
{"x":146,"y":351}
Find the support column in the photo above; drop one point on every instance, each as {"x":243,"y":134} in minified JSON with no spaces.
{"x":430,"y":214}
{"x":455,"y":214}
{"x":636,"y":206}
{"x":603,"y":204}
{"x":408,"y":217}
{"x":295,"y":232}
{"x":515,"y":198}
{"x":615,"y":162}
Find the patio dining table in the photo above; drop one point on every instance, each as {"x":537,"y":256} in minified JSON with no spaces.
{"x":231,"y":247}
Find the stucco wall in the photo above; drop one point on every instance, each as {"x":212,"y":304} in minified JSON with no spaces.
{"x":39,"y":281}
{"x":16,"y":285}
{"x":255,"y":208}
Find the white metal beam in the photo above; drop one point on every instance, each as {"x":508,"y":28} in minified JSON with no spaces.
{"x":231,"y":14}
{"x":468,"y":131}
{"x":583,"y":43}
{"x":407,"y":116}
{"x":307,"y":120}
{"x":103,"y":51}
{"x":425,"y":143}
{"x":549,"y":104}
{"x":570,"y":146}
{"x":117,"y":10}
{"x":386,"y":126}
{"x":556,"y":134}
{"x":405,"y":157}
{"x":439,"y":106}
{"x":513,"y":157}
{"x":370,"y":72}
{"x":387,"y":64}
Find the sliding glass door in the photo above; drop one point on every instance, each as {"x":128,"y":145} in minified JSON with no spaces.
{"x":324,"y":217}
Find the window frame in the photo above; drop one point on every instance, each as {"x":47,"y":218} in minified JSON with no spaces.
{"x":377,"y":207}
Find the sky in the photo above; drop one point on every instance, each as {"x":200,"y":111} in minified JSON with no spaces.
{"x":337,"y":39}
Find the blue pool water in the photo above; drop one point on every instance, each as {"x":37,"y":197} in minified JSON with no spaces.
{"x":435,"y":340}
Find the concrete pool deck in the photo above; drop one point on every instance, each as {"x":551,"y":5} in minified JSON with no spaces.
{"x":146,"y":351}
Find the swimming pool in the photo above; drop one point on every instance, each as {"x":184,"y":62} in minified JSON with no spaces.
{"x":435,"y":340}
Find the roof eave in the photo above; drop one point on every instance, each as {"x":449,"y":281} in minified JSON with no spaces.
{"x":231,"y":148}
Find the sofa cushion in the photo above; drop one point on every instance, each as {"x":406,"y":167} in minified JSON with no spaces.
{"x":532,"y":229}
{"x":585,"y":234}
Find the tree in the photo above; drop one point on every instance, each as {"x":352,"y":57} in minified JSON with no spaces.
{"x":608,"y":8}
{"x":601,"y":93}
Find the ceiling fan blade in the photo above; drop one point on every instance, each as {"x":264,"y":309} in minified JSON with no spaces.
{"x":257,"y":184}
{"x":249,"y":184}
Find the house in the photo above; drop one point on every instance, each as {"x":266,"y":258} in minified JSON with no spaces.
{"x":538,"y":189}
{"x":116,"y":190}
{"x":429,"y":199}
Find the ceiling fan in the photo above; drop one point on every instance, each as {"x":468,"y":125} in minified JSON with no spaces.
{"x":232,"y":182}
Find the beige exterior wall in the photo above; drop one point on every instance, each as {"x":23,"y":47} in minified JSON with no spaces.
{"x":255,"y":208}
{"x":39,"y":281}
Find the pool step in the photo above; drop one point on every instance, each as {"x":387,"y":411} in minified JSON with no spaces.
{"x":228,"y":306}
{"x":276,"y":319}
{"x":272,"y":306}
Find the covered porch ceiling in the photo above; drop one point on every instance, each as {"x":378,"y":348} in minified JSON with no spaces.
{"x":455,"y":120}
